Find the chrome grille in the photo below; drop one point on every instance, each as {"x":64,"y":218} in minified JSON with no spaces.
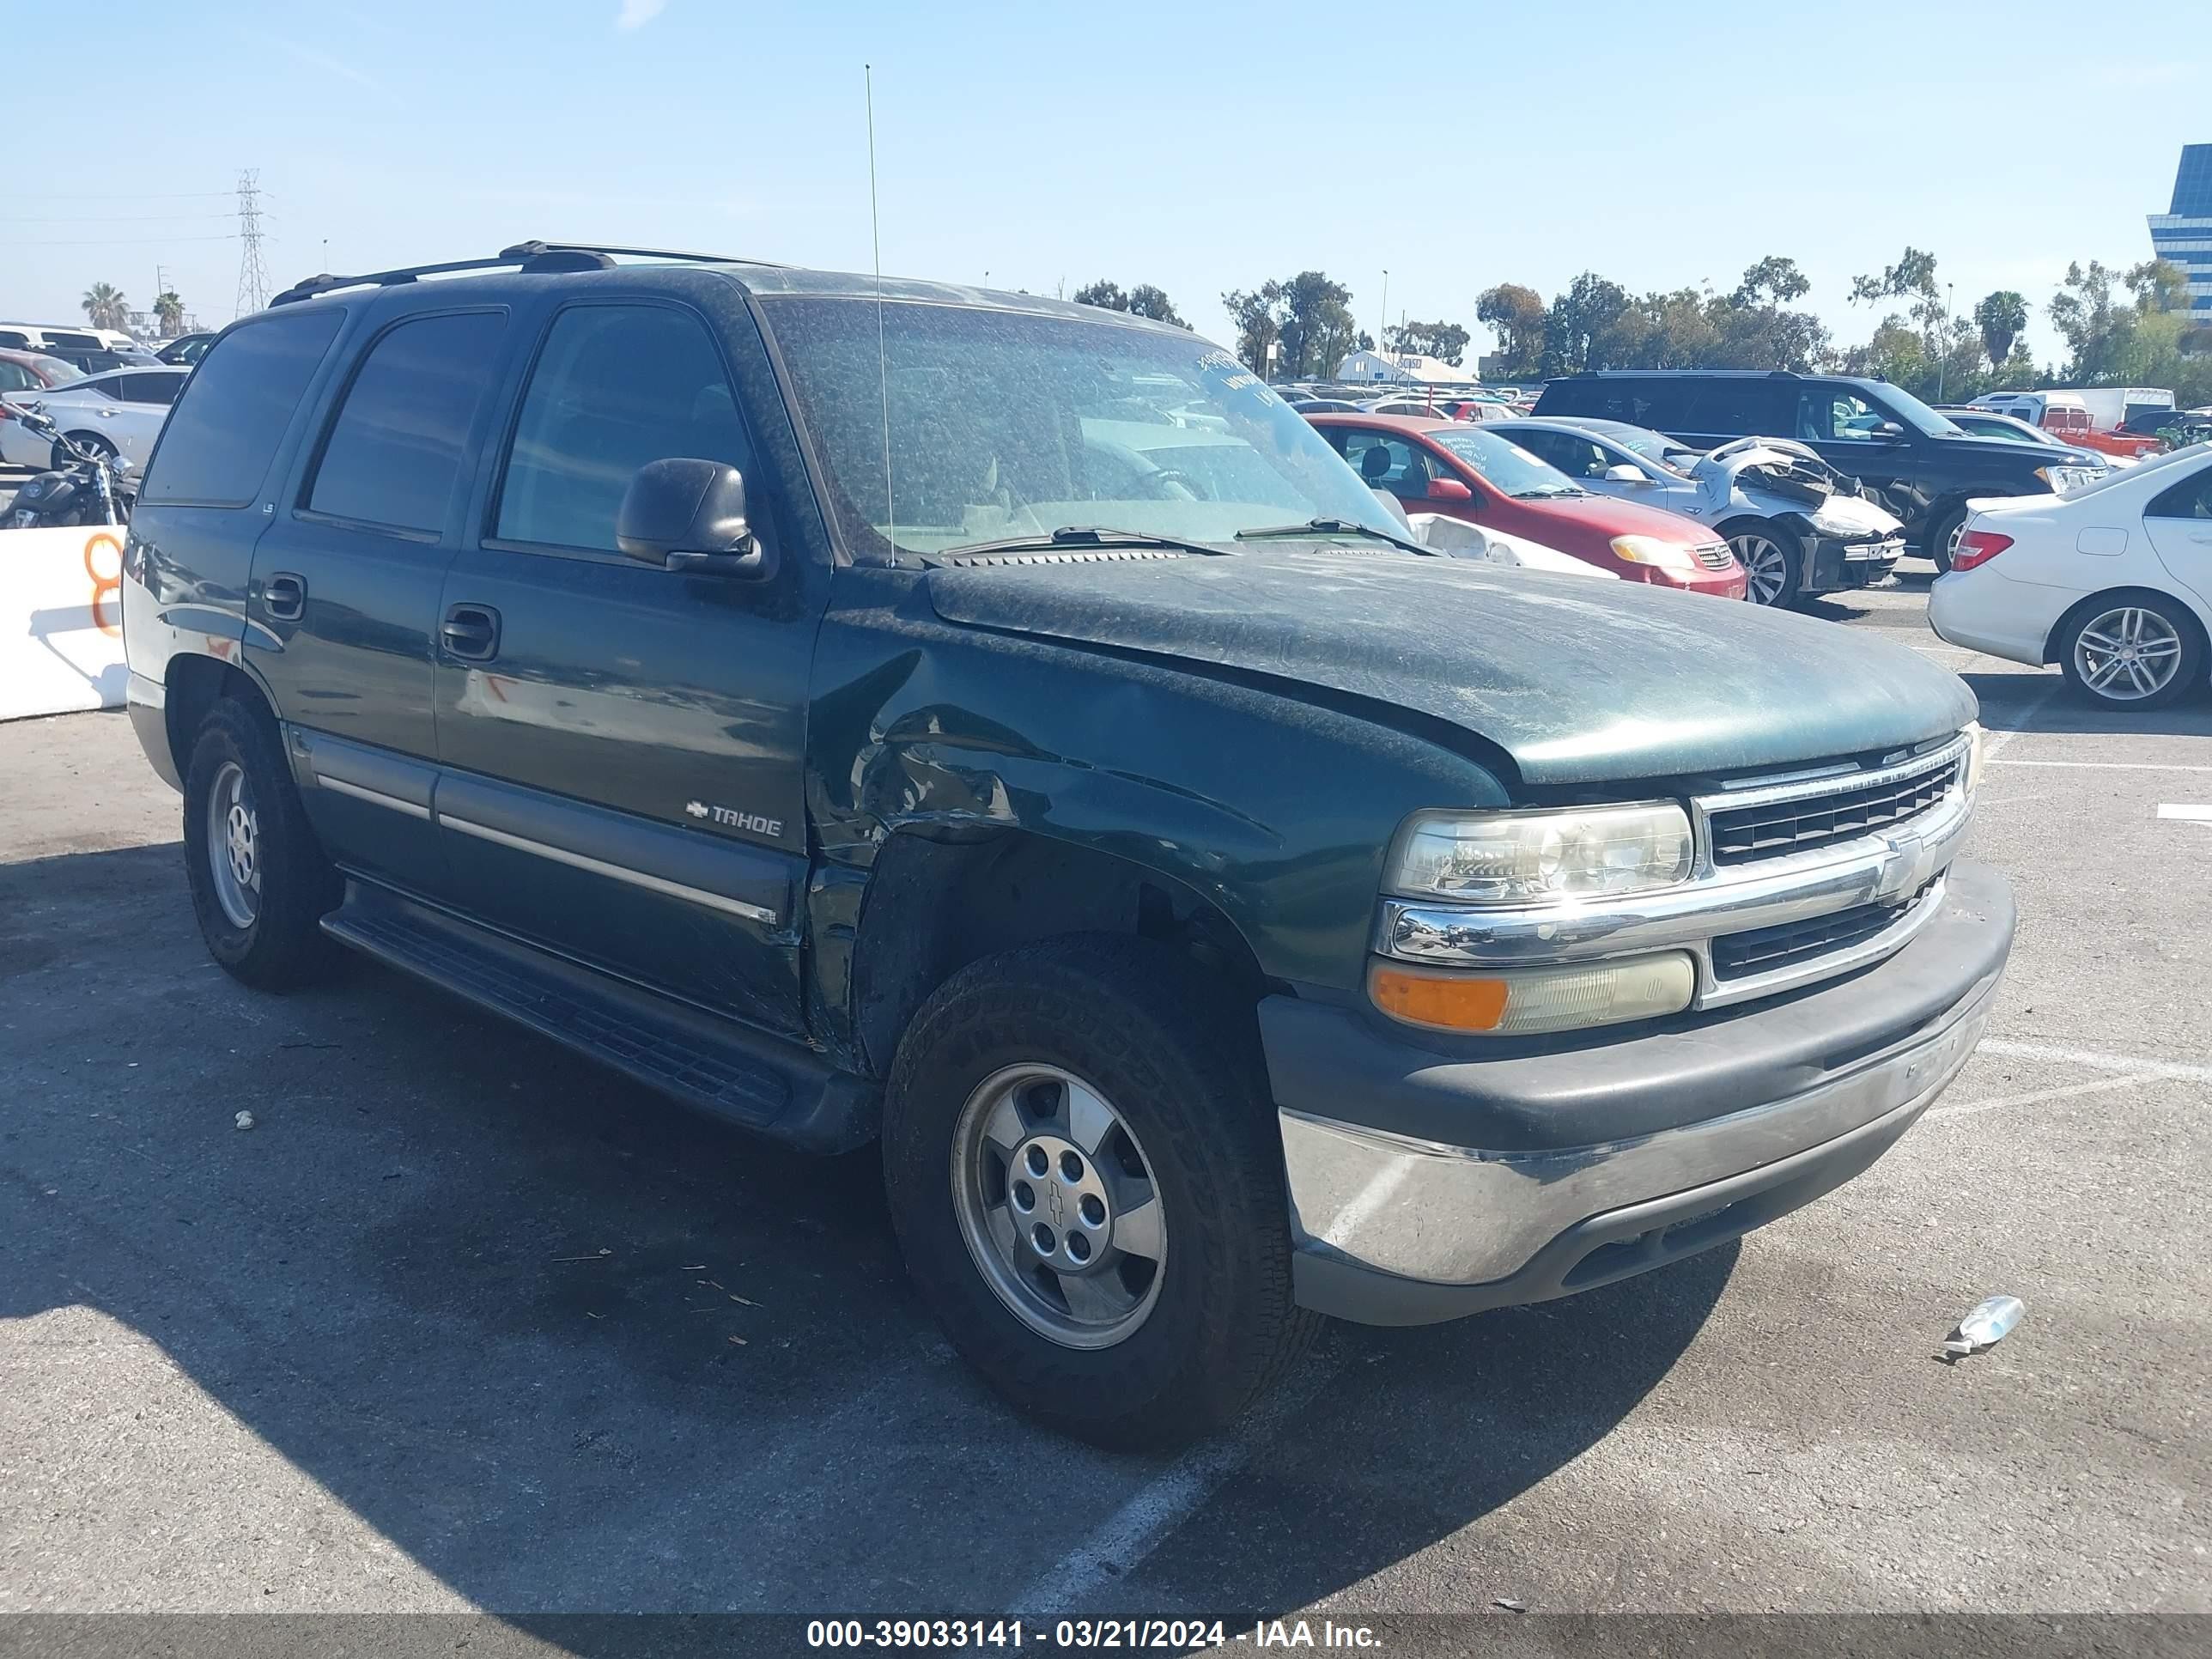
{"x":1714,"y":555}
{"x":1772,"y":829}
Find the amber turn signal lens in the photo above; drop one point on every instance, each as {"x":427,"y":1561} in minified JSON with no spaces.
{"x":1450,"y":1002}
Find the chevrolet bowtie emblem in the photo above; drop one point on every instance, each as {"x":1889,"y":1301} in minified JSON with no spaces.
{"x":697,"y":809}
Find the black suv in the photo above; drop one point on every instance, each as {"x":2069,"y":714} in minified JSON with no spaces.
{"x":1911,"y":459}
{"x":1005,"y":729}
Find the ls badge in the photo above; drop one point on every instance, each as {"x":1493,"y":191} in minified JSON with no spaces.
{"x":730,"y":818}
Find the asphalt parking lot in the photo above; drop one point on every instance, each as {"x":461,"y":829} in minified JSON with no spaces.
{"x":465,"y":1323}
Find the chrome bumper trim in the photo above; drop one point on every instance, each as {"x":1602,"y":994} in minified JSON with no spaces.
{"x":373,"y":797}
{"x":1882,"y":867}
{"x":1455,"y":1215}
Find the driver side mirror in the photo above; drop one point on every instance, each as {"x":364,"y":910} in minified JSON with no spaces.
{"x":1448,"y":489}
{"x":1624,"y":473}
{"x":688,"y":514}
{"x":1888,"y":430}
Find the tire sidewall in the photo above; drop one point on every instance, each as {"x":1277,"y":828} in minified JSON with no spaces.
{"x":1207,"y":1284}
{"x":284,"y":946}
{"x":1940,"y":531}
{"x":217,"y":745}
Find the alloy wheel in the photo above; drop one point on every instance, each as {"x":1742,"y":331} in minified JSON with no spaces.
{"x":1764,"y":563}
{"x":234,"y":846}
{"x":1057,"y":1202}
{"x":2128,"y":654}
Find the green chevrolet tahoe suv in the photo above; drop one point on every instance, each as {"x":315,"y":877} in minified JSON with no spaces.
{"x":1004,"y":730}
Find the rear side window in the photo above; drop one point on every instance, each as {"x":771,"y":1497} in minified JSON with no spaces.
{"x":396,"y":447}
{"x":2189,"y":499}
{"x":89,"y":342}
{"x":151,"y":388}
{"x":1736,"y":409}
{"x":101,"y":385}
{"x":216,"y":446}
{"x":615,"y":387}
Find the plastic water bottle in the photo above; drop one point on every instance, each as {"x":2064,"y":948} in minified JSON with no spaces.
{"x":1985,"y":1325}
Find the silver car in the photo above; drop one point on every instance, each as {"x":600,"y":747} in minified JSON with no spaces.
{"x":119,"y":412}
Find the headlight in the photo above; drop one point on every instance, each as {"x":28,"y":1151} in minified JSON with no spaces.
{"x":1523,"y":858}
{"x":2063,"y":478}
{"x":1653,"y":549}
{"x":1970,"y":771}
{"x":1526,"y":1001}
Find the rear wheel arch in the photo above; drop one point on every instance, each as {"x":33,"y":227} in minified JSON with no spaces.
{"x":192,"y":684}
{"x":2083,"y":609}
{"x":933,"y":906}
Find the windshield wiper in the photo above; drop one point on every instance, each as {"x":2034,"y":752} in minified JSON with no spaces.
{"x":1332,"y":527}
{"x":1077,"y":536}
{"x":1549,"y":492}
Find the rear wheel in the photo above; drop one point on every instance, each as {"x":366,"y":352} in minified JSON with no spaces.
{"x":1086,"y":1177}
{"x":1770,"y":557}
{"x":260,"y":883}
{"x":2136,"y":651}
{"x":91,"y":440}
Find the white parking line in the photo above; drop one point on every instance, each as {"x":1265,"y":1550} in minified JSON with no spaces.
{"x":2036,"y":1098}
{"x":2102,"y":766}
{"x":2095,"y":1059}
{"x":1166,"y":1501}
{"x":2184,"y":812}
{"x":1995,"y":745}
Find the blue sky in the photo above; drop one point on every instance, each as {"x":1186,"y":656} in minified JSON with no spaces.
{"x":1202,"y":147}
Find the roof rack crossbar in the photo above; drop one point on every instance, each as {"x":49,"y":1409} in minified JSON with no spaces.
{"x":524,"y":254}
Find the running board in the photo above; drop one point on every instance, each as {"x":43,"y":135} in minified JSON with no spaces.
{"x":774,"y":1086}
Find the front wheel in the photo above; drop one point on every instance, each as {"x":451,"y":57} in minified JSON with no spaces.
{"x":1770,"y":557}
{"x":1085,"y":1174}
{"x":2139,"y":651}
{"x":1942,"y":540}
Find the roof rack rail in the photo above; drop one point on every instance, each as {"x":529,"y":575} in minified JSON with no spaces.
{"x":545,"y":258}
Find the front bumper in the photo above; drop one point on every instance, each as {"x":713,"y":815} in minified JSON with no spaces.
{"x":1426,"y":1184}
{"x":1833,"y":565}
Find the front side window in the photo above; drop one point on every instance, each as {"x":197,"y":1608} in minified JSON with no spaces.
{"x":85,"y":341}
{"x":1831,"y":415}
{"x":1576,"y":456}
{"x":616,"y":386}
{"x":13,"y":377}
{"x":396,"y":448}
{"x":217,"y":444}
{"x":1385,"y":461}
{"x":962,"y":424}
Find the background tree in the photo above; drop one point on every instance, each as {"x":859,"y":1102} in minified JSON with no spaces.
{"x":106,"y":308}
{"x":1253,"y":315}
{"x":1773,"y":280}
{"x":1581,"y":328}
{"x":1445,"y":340}
{"x":1146,"y":301}
{"x":1516,"y":315}
{"x":2002,"y":318}
{"x":1105,"y":295}
{"x":1317,"y":327}
{"x":169,"y":311}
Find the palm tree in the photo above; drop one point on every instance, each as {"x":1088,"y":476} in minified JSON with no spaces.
{"x":105,"y":305}
{"x":169,"y":311}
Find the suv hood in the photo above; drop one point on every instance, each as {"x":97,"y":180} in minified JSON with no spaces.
{"x":2004,"y":449}
{"x":1578,"y":682}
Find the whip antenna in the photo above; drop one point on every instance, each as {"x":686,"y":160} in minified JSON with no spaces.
{"x":882,"y":373}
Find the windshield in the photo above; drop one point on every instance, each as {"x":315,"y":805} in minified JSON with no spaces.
{"x":1505,"y":465}
{"x":1916,"y":415}
{"x":981,"y":425}
{"x":1656,"y":446}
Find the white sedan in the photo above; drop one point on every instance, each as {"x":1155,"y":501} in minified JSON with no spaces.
{"x":119,"y":412}
{"x":2113,"y":582}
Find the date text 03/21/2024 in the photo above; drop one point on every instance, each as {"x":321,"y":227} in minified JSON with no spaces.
{"x":1175,"y":1635}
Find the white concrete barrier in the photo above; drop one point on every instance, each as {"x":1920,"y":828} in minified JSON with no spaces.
{"x":61,"y":621}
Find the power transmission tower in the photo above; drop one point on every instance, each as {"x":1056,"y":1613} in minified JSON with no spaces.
{"x":253,"y":275}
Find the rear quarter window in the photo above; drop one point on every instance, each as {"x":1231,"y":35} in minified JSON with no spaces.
{"x":219,"y":441}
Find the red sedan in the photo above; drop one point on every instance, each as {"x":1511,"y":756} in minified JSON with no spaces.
{"x":1472,"y":472}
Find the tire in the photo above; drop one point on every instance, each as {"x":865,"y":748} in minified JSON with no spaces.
{"x":62,"y":459}
{"x":2131,"y":651}
{"x":1943,"y":535}
{"x":1779,"y":567}
{"x":1213,"y":1325}
{"x":260,"y":921}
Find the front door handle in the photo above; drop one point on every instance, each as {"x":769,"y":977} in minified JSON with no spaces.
{"x":285,"y":597}
{"x":470,"y":632}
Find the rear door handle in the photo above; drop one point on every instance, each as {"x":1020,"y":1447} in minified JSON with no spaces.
{"x":470,"y":632}
{"x":285,"y":597}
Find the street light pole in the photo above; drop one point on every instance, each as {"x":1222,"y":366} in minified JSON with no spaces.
{"x":1943,"y":344}
{"x":1382,"y":325}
